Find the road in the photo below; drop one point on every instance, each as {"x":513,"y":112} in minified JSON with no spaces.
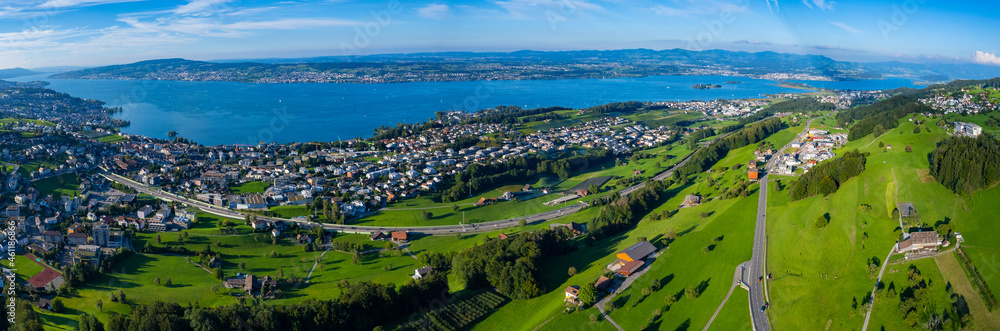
{"x":442,"y":229}
{"x":758,"y":266}
{"x":877,"y":281}
{"x":739,"y":276}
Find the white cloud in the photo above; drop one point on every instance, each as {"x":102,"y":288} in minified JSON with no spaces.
{"x":776,"y":7}
{"x":211,"y":28}
{"x":846,"y":27}
{"x":434,"y":11}
{"x":79,"y":3}
{"x":821,"y":4}
{"x":198,"y":7}
{"x":522,"y":9}
{"x":698,"y":7}
{"x":985,"y":58}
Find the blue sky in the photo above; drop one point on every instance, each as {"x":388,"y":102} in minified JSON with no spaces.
{"x":39,"y":33}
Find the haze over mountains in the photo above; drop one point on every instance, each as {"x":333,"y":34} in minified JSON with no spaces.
{"x":525,"y":65}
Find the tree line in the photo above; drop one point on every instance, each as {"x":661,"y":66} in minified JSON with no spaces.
{"x":361,"y":306}
{"x":622,"y":212}
{"x":480,"y":177}
{"x":511,"y":265}
{"x":617,"y":107}
{"x":964,"y":164}
{"x":706,"y":157}
{"x":828,"y":176}
{"x":879,"y":117}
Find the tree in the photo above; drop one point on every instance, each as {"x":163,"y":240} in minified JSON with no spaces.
{"x":572,"y":271}
{"x":428,"y":215}
{"x":670,"y":299}
{"x":587,"y":294}
{"x":454,"y":208}
{"x":100,"y":305}
{"x":704,"y":215}
{"x":916,"y":129}
{"x":355,"y":257}
{"x":646,"y":291}
{"x":671,"y":235}
{"x":827,"y":186}
{"x":692,"y":292}
{"x":522,"y":222}
{"x":909,"y":149}
{"x":121,"y":296}
{"x":881,"y":145}
{"x":878,"y":130}
{"x":57,"y":305}
{"x":217,"y":272}
{"x":158,"y":240}
{"x":655,"y":284}
{"x":821,"y":222}
{"x":156,"y":280}
{"x":243,"y":266}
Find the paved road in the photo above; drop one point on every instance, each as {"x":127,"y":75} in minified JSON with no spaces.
{"x":443,"y":229}
{"x":758,"y":266}
{"x":621,"y":288}
{"x":738,"y":276}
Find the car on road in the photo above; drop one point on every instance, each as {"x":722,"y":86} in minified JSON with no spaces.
{"x":760,"y":279}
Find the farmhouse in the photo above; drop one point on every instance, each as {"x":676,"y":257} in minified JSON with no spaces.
{"x":572,"y":292}
{"x":630,"y":268}
{"x":420,"y":273}
{"x":690,"y":201}
{"x":377,"y":235}
{"x":399,"y":236}
{"x":919,"y":241}
{"x":602,"y":283}
{"x":635,"y":252}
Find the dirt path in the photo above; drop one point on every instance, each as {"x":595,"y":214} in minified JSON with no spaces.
{"x":952,"y":272}
{"x":876,"y":139}
{"x":314,"y":265}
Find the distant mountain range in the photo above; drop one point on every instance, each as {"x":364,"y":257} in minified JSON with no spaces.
{"x":525,"y":65}
{"x":15,"y":72}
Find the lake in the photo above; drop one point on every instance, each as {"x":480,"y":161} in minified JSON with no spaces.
{"x":214,"y":113}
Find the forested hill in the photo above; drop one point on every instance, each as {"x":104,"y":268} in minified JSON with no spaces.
{"x":965,"y":164}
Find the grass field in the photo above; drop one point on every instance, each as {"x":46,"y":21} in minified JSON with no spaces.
{"x":290,"y":211}
{"x":19,"y":121}
{"x":885,"y":313}
{"x":818,"y":272}
{"x":112,"y":138}
{"x":57,"y":186}
{"x":735,"y":314}
{"x":250,"y":187}
{"x":732,"y":220}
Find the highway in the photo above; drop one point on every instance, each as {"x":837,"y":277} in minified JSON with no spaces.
{"x":442,"y":229}
{"x":758,"y":261}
